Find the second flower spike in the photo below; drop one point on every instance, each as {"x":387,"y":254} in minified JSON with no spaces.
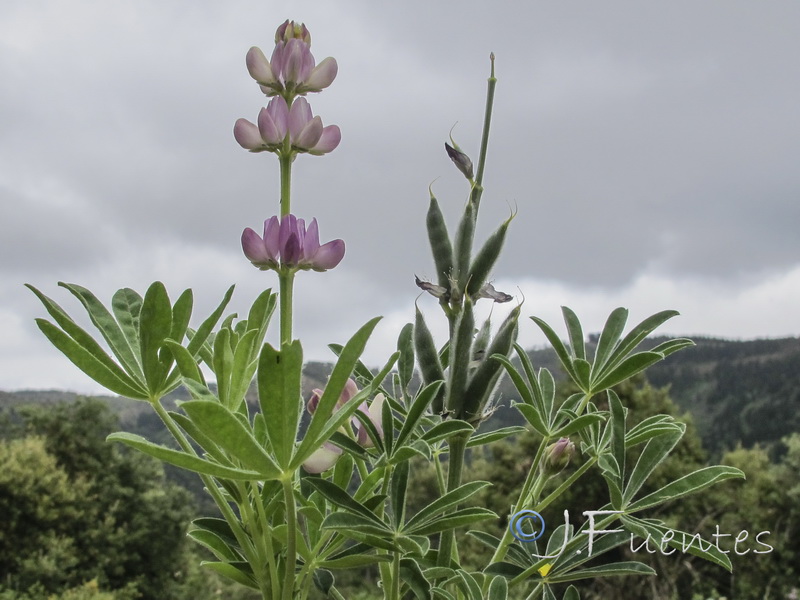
{"x":288,"y":245}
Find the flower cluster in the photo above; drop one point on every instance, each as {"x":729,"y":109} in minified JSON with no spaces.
{"x":287,"y":244}
{"x":276,"y":120}
{"x":292,"y":69}
{"x":326,"y":456}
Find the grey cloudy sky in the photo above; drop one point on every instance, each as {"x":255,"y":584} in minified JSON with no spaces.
{"x":651,"y":150}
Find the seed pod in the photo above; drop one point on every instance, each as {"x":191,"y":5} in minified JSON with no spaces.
{"x":483,"y":381}
{"x":485,"y":259}
{"x":463,"y":250}
{"x":460,"y":355}
{"x":481,"y":344}
{"x":428,"y":359}
{"x":441,"y":248}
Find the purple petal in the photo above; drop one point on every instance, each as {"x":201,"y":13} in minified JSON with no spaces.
{"x":330,"y":138}
{"x":267,"y":128}
{"x":310,"y":135}
{"x":323,"y":459}
{"x":350,"y":390}
{"x":258,"y":66}
{"x":322,"y":75}
{"x":295,"y":60}
{"x":279,"y":112}
{"x":288,"y":225}
{"x":311,"y":241}
{"x":299,"y":116}
{"x":254,"y":249}
{"x":328,"y":256}
{"x":272,"y":237}
{"x":278,"y":61}
{"x":313,"y":402}
{"x":247,"y":135}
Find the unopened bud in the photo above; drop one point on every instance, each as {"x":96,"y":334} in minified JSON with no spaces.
{"x":289,"y":30}
{"x":559,"y":455}
{"x":460,"y":159}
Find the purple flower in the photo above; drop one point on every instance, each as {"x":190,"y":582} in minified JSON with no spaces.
{"x":292,"y":69}
{"x":287,"y":244}
{"x":325,"y":457}
{"x":306,"y":133}
{"x":269,"y":134}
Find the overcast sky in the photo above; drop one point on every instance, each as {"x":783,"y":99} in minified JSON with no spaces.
{"x":651,"y":150}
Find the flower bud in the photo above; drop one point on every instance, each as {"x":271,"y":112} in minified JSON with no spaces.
{"x":290,"y":30}
{"x":460,"y":159}
{"x":559,"y":455}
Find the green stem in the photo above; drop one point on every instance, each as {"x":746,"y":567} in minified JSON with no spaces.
{"x":285,"y":298}
{"x":241,"y":536}
{"x":455,"y":466}
{"x":286,"y":179}
{"x":566,"y":484}
{"x":291,"y":539}
{"x":395,"y":594}
{"x":477,"y":189}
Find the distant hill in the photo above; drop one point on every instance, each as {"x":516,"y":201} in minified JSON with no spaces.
{"x":736,"y":391}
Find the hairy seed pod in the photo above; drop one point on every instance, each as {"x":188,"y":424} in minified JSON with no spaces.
{"x":441,"y":248}
{"x":483,"y":381}
{"x":463,"y":251}
{"x":460,"y":356}
{"x":428,"y":359}
{"x":485,"y":259}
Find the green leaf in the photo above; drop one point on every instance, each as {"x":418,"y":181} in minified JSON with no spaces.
{"x":127,"y":306}
{"x":453,"y":520}
{"x":688,"y":484}
{"x":357,"y":527}
{"x":418,"y":407}
{"x":155,"y":323}
{"x":532,"y":416}
{"x":222,"y":364}
{"x":578,"y":424}
{"x":493,"y":436}
{"x":617,"y":432}
{"x":186,"y":363}
{"x":112,"y":379}
{"x":683,"y":542}
{"x":399,"y":485}
{"x":279,"y":388}
{"x":244,"y":367}
{"x":656,"y":450}
{"x":353,"y":561}
{"x":627,"y":368}
{"x":634,"y":338}
{"x":610,"y":570}
{"x":446,"y":429}
{"x":504,"y":569}
{"x":671,"y":346}
{"x":183,"y":460}
{"x":181,"y":313}
{"x":498,"y":589}
{"x":211,"y":541}
{"x":223,"y":428}
{"x":411,"y":575}
{"x":572,"y":593}
{"x":524,"y":389}
{"x":448,"y":500}
{"x":515,"y":552}
{"x":342,"y":499}
{"x":201,"y":335}
{"x":239,"y":572}
{"x":469,"y":585}
{"x":108,"y":327}
{"x":559,"y":347}
{"x":575,"y":333}
{"x":609,"y":338}
{"x":323,"y":580}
